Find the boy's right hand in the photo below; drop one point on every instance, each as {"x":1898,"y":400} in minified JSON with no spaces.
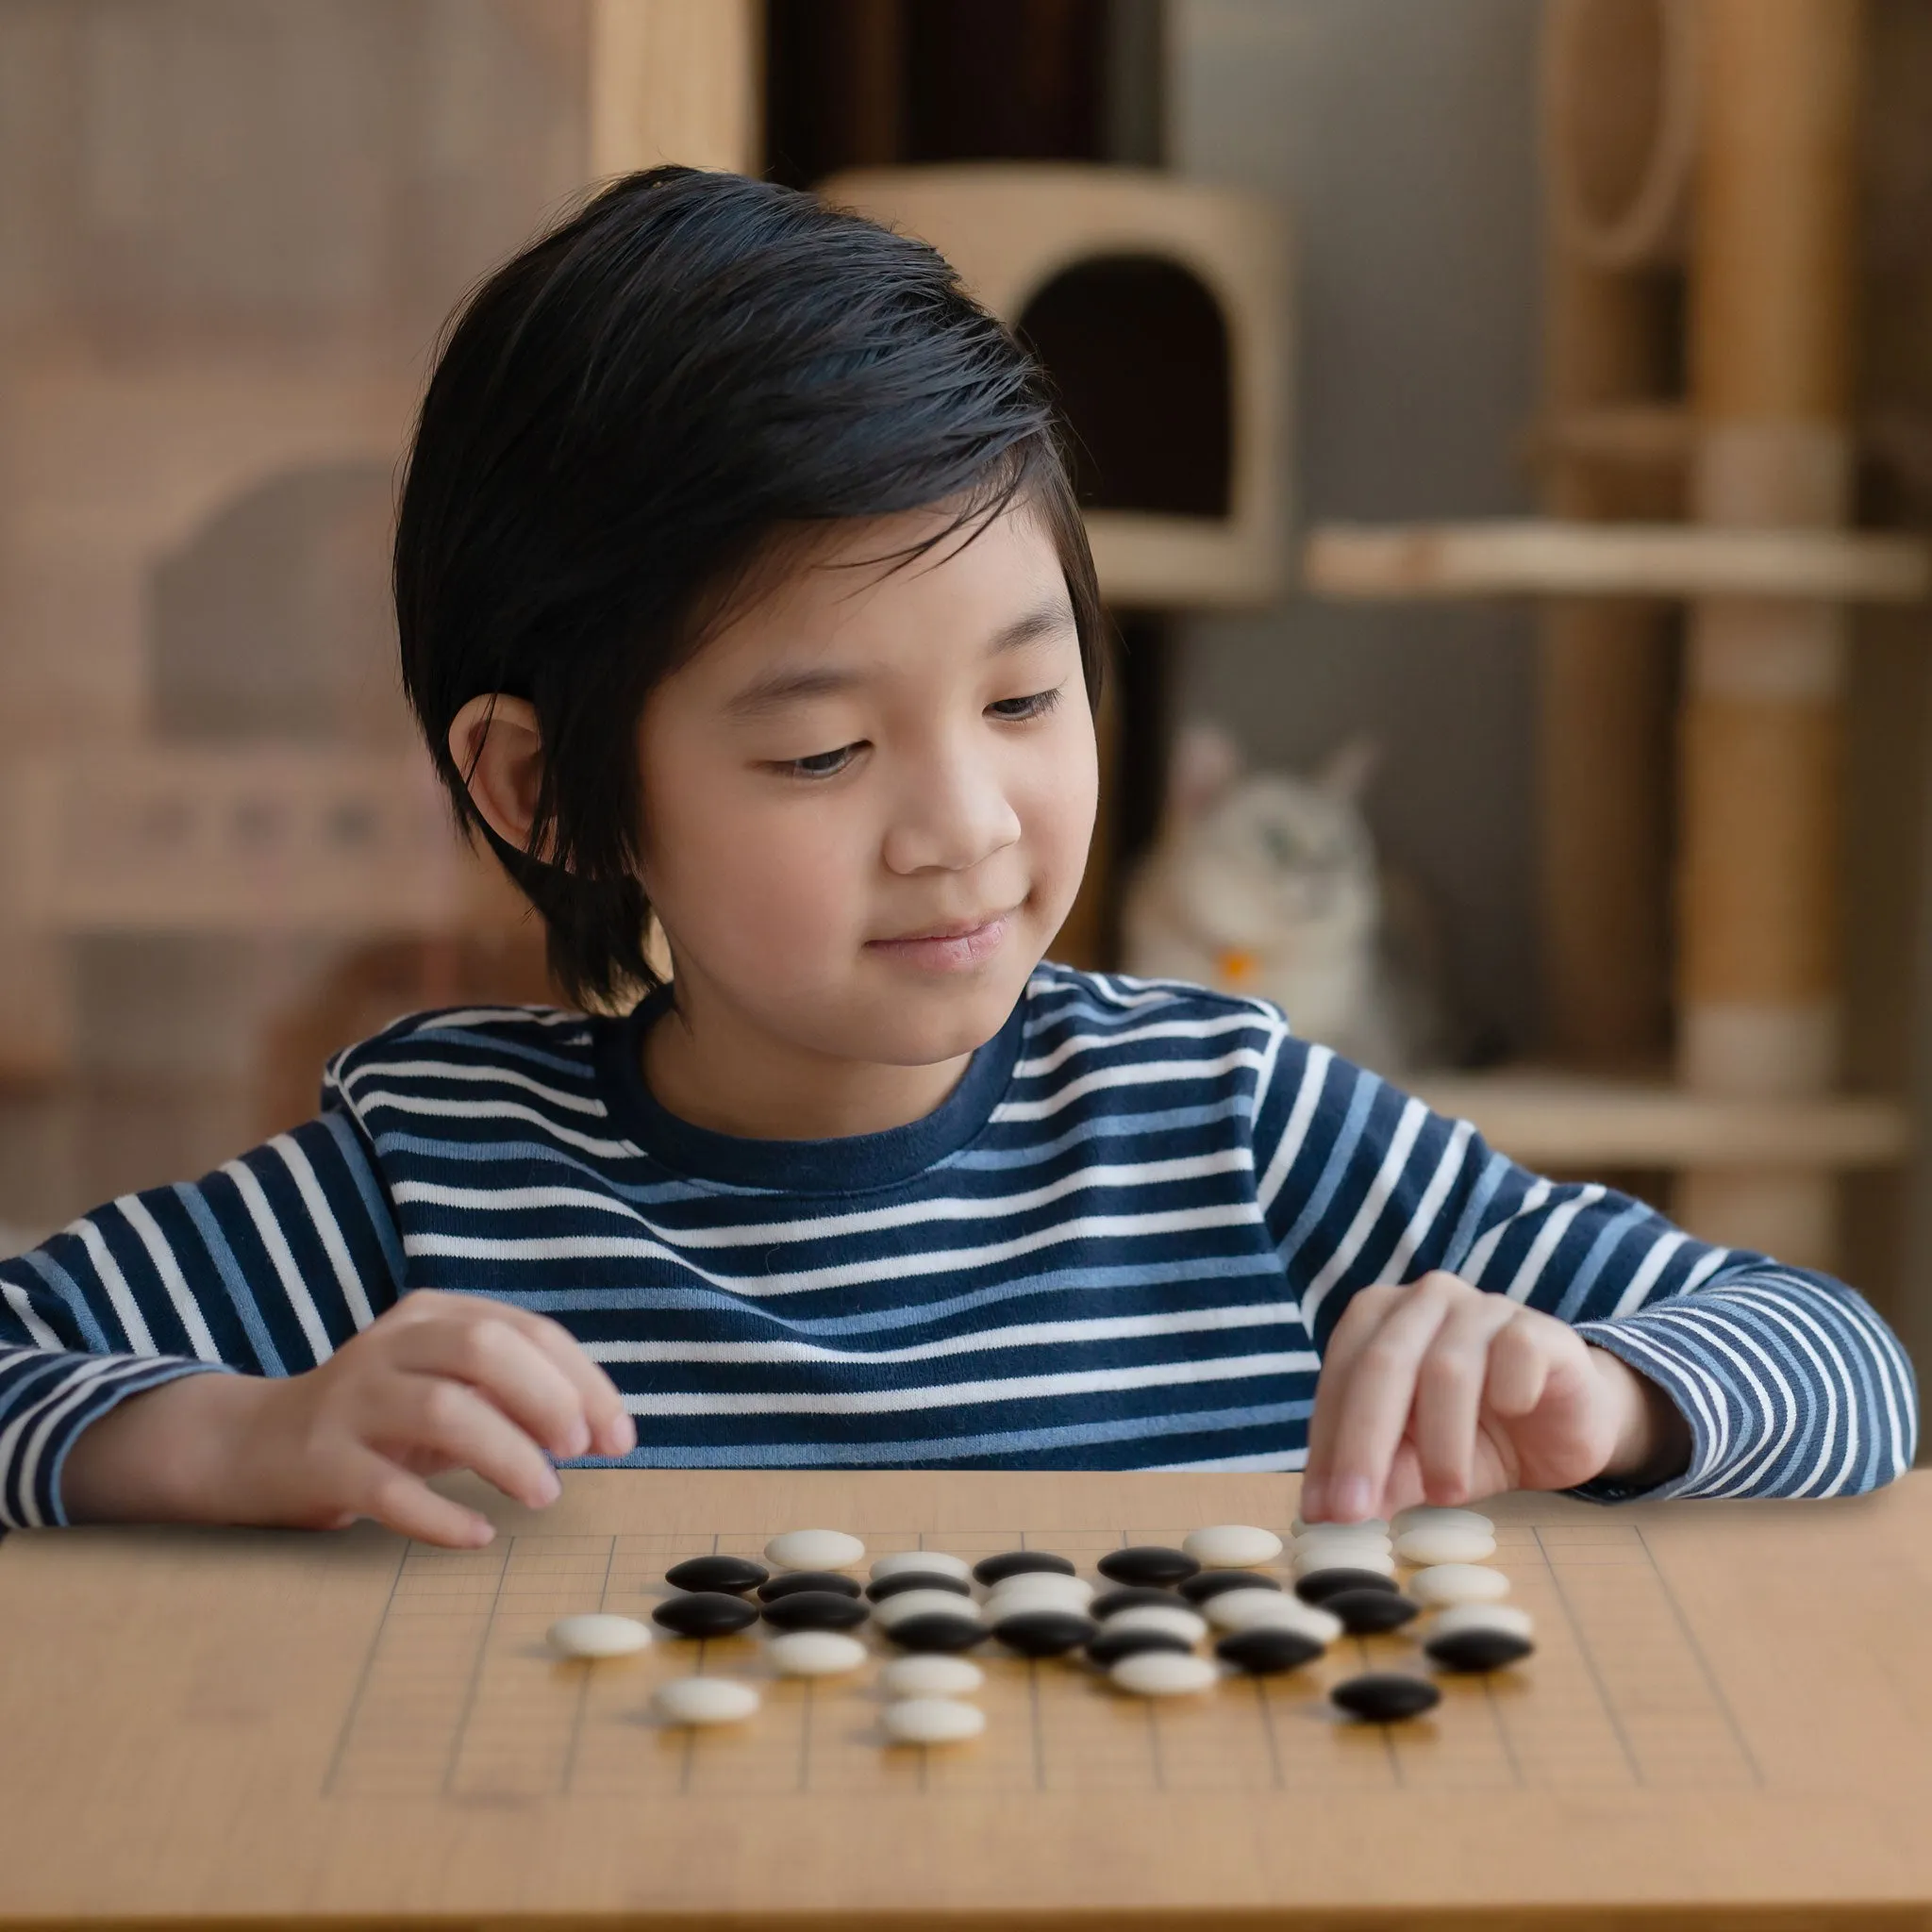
{"x":439,"y":1382}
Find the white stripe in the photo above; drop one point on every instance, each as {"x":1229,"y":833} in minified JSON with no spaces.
{"x":828,"y":1227}
{"x":1137,"y":1074}
{"x":1549,"y":1238}
{"x":1753,"y":1461}
{"x":492,"y":1016}
{"x":1374,"y":1203}
{"x":18,"y":1300}
{"x":659,"y":1401}
{"x":1887,"y":1355}
{"x":1482,"y":1251}
{"x":1307,"y":1096}
{"x":461,"y":1070}
{"x":1129,"y":1036}
{"x":979,"y":1341}
{"x":494,"y":1111}
{"x":1272,"y":1459}
{"x":1797,"y":1319}
{"x":269,"y":1230}
{"x":133,"y":1324}
{"x":1423,"y":1219}
{"x":1703,"y":1387}
{"x":321,"y":1218}
{"x":169,"y":1269}
{"x":1646,"y":1276}
{"x":884,"y":1268}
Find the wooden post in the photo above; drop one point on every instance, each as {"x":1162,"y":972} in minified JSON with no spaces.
{"x":1773,"y":267}
{"x":676,"y":80}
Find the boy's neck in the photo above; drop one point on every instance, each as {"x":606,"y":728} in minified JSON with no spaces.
{"x":715,"y":1069}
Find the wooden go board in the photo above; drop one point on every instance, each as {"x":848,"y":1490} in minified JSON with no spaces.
{"x":1730,"y":1712}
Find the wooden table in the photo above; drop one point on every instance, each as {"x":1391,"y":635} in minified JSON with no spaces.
{"x":1729,"y":1719}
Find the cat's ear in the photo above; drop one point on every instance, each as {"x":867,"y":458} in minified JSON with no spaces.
{"x":1203,"y":763}
{"x":1350,"y":769}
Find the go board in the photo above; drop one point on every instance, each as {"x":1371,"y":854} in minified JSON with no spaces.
{"x":1729,"y":1711}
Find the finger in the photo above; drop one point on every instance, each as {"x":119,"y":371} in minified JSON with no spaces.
{"x":501,"y":1360}
{"x":1519,"y":1368}
{"x":1381,"y":1390}
{"x":414,"y":1416}
{"x":612,"y":1430}
{"x":1368,"y":1309}
{"x":1449,"y":1394}
{"x":375,"y":1487}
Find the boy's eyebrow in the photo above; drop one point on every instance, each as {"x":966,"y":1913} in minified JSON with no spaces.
{"x":782,"y":687}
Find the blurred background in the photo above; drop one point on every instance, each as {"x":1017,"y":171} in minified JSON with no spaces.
{"x":1506,"y":432}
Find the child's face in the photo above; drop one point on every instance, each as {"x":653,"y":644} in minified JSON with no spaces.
{"x":868,"y":798}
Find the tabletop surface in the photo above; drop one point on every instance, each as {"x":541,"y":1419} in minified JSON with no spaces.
{"x":1730,"y":1710}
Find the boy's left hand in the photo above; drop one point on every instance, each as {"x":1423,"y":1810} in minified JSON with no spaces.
{"x":1435,"y":1391}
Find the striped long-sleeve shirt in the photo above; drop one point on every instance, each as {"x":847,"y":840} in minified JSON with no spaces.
{"x":1121,"y":1241}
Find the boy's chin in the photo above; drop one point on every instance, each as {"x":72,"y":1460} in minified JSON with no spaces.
{"x":915,"y":1025}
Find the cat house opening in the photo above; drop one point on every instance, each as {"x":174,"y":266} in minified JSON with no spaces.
{"x":1138,"y":350}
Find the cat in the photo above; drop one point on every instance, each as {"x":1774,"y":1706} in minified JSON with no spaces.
{"x":1268,"y":883}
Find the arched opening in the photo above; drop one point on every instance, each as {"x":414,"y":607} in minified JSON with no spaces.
{"x":1138,"y":350}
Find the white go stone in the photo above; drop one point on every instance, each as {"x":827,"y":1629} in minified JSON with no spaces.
{"x":1460,"y":1617}
{"x":931,"y":1721}
{"x":1041,"y":1588}
{"x":1165,"y":1674}
{"x":1231,"y":1546}
{"x":921,"y":1563}
{"x":1434,"y":1513}
{"x":1445,"y":1543}
{"x":815,"y":1653}
{"x":596,"y":1634}
{"x":1344,"y":1556}
{"x":814,"y":1549}
{"x":1369,"y":1525}
{"x":924,"y":1603}
{"x":927,"y":1674}
{"x":1458,"y":1583}
{"x":1172,"y":1622}
{"x":705,"y":1701}
{"x":1253,"y":1610}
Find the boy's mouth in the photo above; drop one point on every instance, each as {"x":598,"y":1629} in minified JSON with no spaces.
{"x":949,"y":946}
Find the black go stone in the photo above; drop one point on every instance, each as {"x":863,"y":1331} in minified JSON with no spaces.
{"x":815,"y":1610}
{"x":1133,"y":1596}
{"x":1386,"y":1698}
{"x":795,"y":1580}
{"x":917,"y":1579}
{"x":1044,"y":1633}
{"x":1371,"y":1612}
{"x":733,"y":1575}
{"x":991,"y":1570}
{"x":1213,"y":1582}
{"x":1146,"y":1563}
{"x":934,"y":1630}
{"x":1264,"y":1651}
{"x":1322,"y":1584}
{"x":703,"y":1613}
{"x":1111,"y":1645}
{"x":1478,"y":1650}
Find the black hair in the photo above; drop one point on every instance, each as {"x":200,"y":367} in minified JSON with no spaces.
{"x":622,"y":419}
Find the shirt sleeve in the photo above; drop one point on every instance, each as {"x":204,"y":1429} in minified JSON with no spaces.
{"x":265,"y":1266}
{"x":1791,"y":1383}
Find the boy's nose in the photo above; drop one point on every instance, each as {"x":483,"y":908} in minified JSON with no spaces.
{"x":950,"y":814}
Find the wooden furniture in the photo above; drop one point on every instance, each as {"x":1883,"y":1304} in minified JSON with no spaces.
{"x":1741,"y":169}
{"x":1728,"y":1722}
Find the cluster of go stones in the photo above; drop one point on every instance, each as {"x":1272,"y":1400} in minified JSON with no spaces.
{"x":1144,"y":1631}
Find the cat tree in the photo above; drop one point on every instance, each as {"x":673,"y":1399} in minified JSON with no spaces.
{"x":1747,"y":177}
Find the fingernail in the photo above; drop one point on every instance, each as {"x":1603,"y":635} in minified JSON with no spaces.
{"x":1311,"y":1499}
{"x":577,"y":1439}
{"x":1351,"y":1499}
{"x":481,"y":1531}
{"x":549,"y":1489}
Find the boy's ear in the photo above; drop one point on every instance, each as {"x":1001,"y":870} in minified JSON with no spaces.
{"x":498,"y":746}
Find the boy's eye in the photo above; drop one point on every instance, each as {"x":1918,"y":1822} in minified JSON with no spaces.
{"x":823,"y":764}
{"x":1035,"y":707}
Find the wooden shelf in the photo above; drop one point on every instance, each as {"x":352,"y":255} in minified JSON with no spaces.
{"x":1577,"y":1121}
{"x":1541,"y":558}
